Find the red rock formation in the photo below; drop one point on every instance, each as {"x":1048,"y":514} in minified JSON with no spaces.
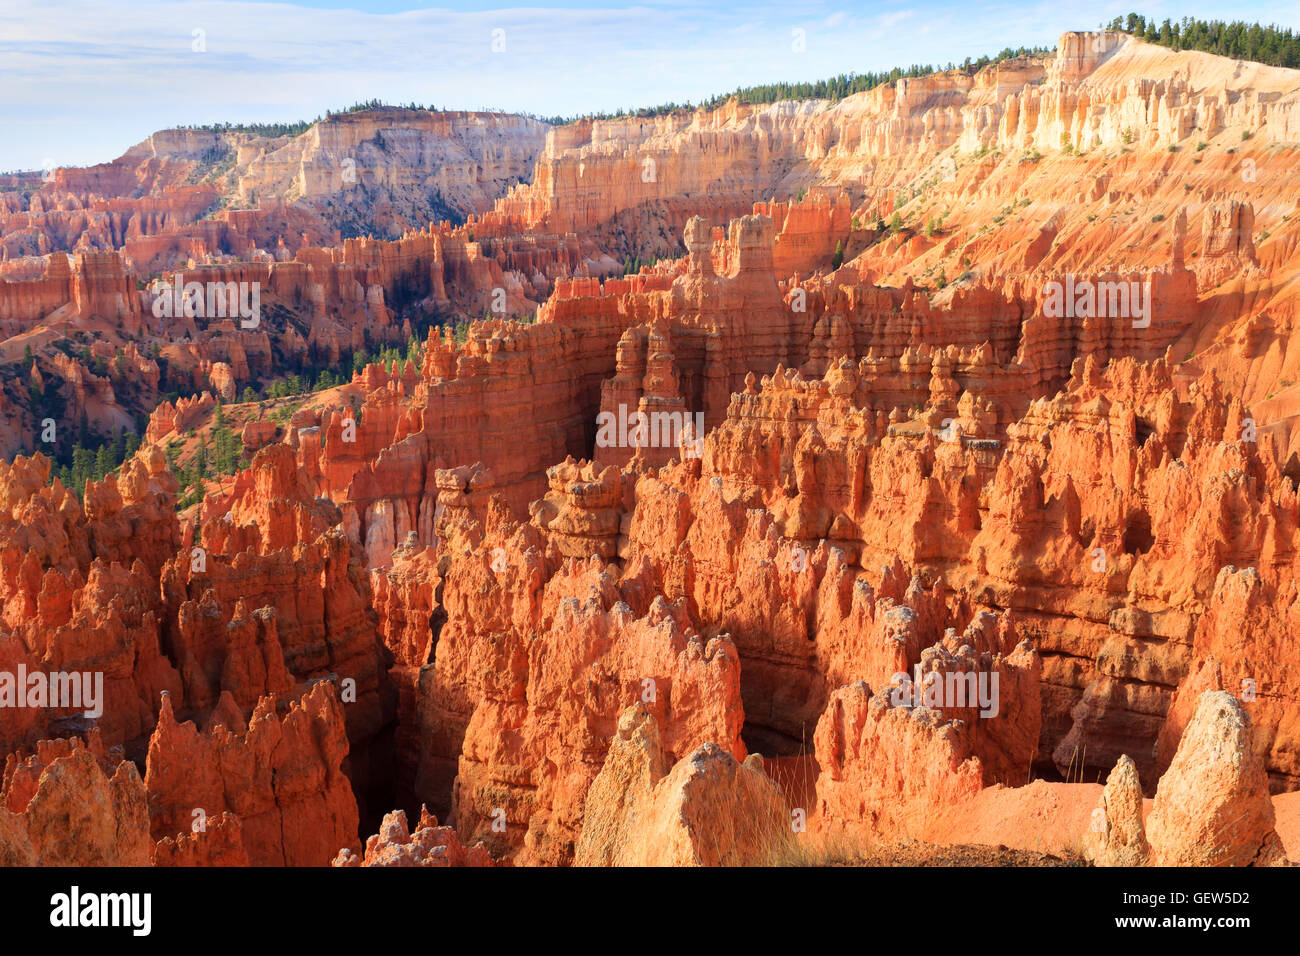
{"x":429,"y":845}
{"x":1029,"y":430}
{"x":271,"y":593}
{"x":282,"y":778}
{"x":887,"y":769}
{"x":70,"y":607}
{"x":568,"y":655}
{"x":209,"y":843}
{"x":72,"y":804}
{"x":1227,"y":242}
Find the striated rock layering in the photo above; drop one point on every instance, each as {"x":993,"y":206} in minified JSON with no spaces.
{"x":934,"y":511}
{"x":1076,"y":164}
{"x":317,"y":306}
{"x":379,"y":169}
{"x":1024,"y":173}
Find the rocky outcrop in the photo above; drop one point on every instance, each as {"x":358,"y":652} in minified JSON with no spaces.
{"x":565,"y":660}
{"x":429,"y":845}
{"x":386,"y":157}
{"x":1227,"y":241}
{"x":1115,"y":835}
{"x":282,"y":778}
{"x":370,"y":171}
{"x":886,"y":769}
{"x":962,"y":453}
{"x":218,"y":842}
{"x":78,"y":595}
{"x":270,"y":593}
{"x":707,"y":810}
{"x":73,"y":804}
{"x":1212,"y":806}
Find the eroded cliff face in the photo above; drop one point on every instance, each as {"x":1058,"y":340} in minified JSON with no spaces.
{"x":1078,"y":163}
{"x":1100,"y":90}
{"x":960,"y":502}
{"x":281,"y":778}
{"x":80,"y":597}
{"x":1106,"y":162}
{"x":413,"y":165}
{"x":560,"y":654}
{"x":374,"y":171}
{"x":72,"y":803}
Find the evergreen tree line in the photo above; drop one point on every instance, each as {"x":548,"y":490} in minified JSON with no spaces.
{"x":317,"y":375}
{"x":220,"y":454}
{"x":1270,"y":45}
{"x":632,"y":264}
{"x":79,"y":461}
{"x":257,"y":129}
{"x":296,"y":129}
{"x":834,"y":89}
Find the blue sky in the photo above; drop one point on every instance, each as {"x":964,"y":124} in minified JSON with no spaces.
{"x":82,"y":80}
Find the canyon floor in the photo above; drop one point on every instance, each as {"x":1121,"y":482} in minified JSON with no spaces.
{"x":906,"y":479}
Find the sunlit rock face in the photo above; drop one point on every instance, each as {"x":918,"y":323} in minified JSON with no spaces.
{"x":686,"y":490}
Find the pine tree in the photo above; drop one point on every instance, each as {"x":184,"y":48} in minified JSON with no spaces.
{"x":1270,"y":45}
{"x":83,"y":464}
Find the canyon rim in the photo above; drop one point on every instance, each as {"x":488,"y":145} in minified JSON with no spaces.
{"x":896,"y":468}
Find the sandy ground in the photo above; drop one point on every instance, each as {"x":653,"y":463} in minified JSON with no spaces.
{"x":1041,"y":824}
